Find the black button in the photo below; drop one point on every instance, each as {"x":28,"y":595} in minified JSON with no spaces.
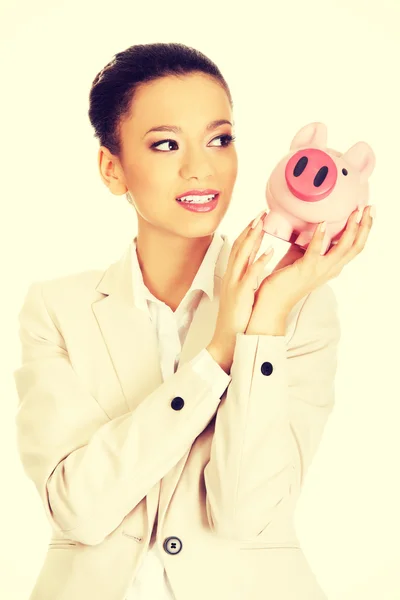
{"x":266,"y":368}
{"x":172,"y":545}
{"x":177,"y":403}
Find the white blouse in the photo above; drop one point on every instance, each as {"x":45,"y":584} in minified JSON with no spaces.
{"x":151,"y":582}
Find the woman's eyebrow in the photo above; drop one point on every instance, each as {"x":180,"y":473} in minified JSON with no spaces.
{"x":175,"y":129}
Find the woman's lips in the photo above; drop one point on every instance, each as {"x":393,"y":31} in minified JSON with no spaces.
{"x":200,"y":207}
{"x":207,"y":192}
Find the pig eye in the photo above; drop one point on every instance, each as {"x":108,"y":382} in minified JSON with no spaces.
{"x":344,"y":171}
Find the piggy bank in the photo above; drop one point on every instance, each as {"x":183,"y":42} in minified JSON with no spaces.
{"x":314,"y":183}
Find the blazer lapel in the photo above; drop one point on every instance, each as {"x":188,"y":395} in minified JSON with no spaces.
{"x":128,"y":334}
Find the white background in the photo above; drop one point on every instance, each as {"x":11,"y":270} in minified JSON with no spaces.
{"x":287,"y":64}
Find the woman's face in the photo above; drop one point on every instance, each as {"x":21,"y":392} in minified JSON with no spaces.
{"x":161,"y":165}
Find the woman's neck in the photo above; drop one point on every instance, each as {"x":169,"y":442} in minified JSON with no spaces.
{"x":168,"y":270}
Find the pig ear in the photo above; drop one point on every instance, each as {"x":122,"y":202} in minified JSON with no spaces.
{"x":361,"y":157}
{"x":314,"y":135}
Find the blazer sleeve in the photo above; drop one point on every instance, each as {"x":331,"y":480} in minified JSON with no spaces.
{"x":269,"y":425}
{"x":90,"y":471}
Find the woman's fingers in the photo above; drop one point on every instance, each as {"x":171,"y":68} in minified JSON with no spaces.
{"x":257,"y":243}
{"x":351,"y":242}
{"x":363,"y":232}
{"x":239,"y":240}
{"x":247,"y":245}
{"x":241,"y":262}
{"x":313,"y":251}
{"x":257,"y":266}
{"x":337,"y":252}
{"x":353,"y":239}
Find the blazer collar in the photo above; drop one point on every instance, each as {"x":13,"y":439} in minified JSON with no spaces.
{"x":117,"y":279}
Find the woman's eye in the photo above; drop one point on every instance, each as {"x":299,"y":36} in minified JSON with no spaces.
{"x":158,"y":144}
{"x":228,"y":140}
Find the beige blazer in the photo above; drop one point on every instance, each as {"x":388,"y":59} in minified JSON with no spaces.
{"x":106,"y":442}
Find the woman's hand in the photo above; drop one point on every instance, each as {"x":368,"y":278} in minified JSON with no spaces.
{"x":284,"y":287}
{"x":238,"y":292}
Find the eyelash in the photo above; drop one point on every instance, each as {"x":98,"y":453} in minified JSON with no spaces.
{"x":230,"y":138}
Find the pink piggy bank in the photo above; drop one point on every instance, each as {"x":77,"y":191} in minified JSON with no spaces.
{"x":314,"y":183}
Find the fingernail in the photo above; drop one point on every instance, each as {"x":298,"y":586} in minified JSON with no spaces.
{"x":256,"y":220}
{"x":372,"y":211}
{"x":323,"y":226}
{"x":359,"y":215}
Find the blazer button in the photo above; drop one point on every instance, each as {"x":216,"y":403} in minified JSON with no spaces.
{"x":172,"y":545}
{"x":266,"y":368}
{"x":177,"y":403}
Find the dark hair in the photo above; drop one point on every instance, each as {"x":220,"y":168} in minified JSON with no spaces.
{"x":113,"y":89}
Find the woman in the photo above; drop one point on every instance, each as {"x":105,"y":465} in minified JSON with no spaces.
{"x":168,"y":411}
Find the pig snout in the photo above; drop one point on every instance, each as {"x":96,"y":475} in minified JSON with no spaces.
{"x":311,"y":174}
